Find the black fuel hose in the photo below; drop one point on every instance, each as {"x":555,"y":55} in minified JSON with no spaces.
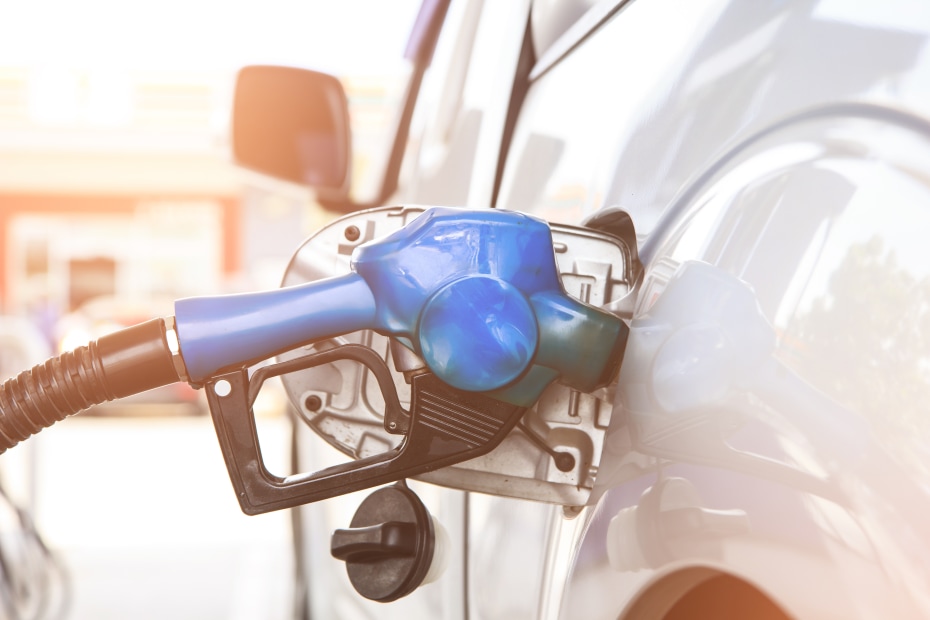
{"x":132,"y":360}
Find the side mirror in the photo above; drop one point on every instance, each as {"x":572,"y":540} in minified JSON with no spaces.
{"x":293,"y":124}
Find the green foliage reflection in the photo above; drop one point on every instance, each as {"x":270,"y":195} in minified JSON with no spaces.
{"x":866,"y":341}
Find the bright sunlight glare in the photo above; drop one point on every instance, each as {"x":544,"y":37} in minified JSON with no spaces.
{"x":348,"y":36}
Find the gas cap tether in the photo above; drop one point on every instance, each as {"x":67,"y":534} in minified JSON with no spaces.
{"x":391,"y":545}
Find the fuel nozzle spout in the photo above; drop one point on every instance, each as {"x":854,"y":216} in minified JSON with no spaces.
{"x":127,"y":362}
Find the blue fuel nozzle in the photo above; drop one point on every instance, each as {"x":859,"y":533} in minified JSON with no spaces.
{"x":476,"y":294}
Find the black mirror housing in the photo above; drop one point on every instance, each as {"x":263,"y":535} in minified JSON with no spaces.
{"x":293,"y":124}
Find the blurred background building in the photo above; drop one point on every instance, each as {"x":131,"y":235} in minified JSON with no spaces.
{"x":119,"y":183}
{"x":114,"y":184}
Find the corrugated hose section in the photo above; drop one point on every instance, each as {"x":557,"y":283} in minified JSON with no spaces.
{"x":126,"y":362}
{"x":50,"y":392}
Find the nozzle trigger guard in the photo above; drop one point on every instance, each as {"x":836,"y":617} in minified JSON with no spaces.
{"x":446,"y":426}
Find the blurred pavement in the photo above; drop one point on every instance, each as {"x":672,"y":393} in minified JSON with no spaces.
{"x":143,"y":515}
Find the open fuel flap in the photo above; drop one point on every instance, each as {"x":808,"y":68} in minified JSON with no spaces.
{"x":358,"y":391}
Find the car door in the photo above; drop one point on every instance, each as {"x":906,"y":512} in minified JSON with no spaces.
{"x":766,"y":391}
{"x":744,"y":473}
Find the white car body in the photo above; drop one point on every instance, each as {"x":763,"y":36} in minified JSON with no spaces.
{"x":769,"y":447}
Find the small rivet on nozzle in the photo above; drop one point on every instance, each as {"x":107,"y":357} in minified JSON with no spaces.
{"x":352,"y":233}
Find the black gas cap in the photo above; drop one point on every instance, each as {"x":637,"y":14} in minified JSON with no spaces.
{"x":388,"y":548}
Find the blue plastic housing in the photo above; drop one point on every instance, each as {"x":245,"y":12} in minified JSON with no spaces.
{"x":231,"y":331}
{"x":475,"y":293}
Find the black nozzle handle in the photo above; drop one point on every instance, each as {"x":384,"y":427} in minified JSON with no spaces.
{"x":126,"y":362}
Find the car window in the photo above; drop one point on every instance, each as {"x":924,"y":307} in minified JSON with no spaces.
{"x":580,"y":115}
{"x":552,"y":19}
{"x":461,"y":112}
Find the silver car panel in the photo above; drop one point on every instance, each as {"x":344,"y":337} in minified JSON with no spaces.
{"x":773,"y":156}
